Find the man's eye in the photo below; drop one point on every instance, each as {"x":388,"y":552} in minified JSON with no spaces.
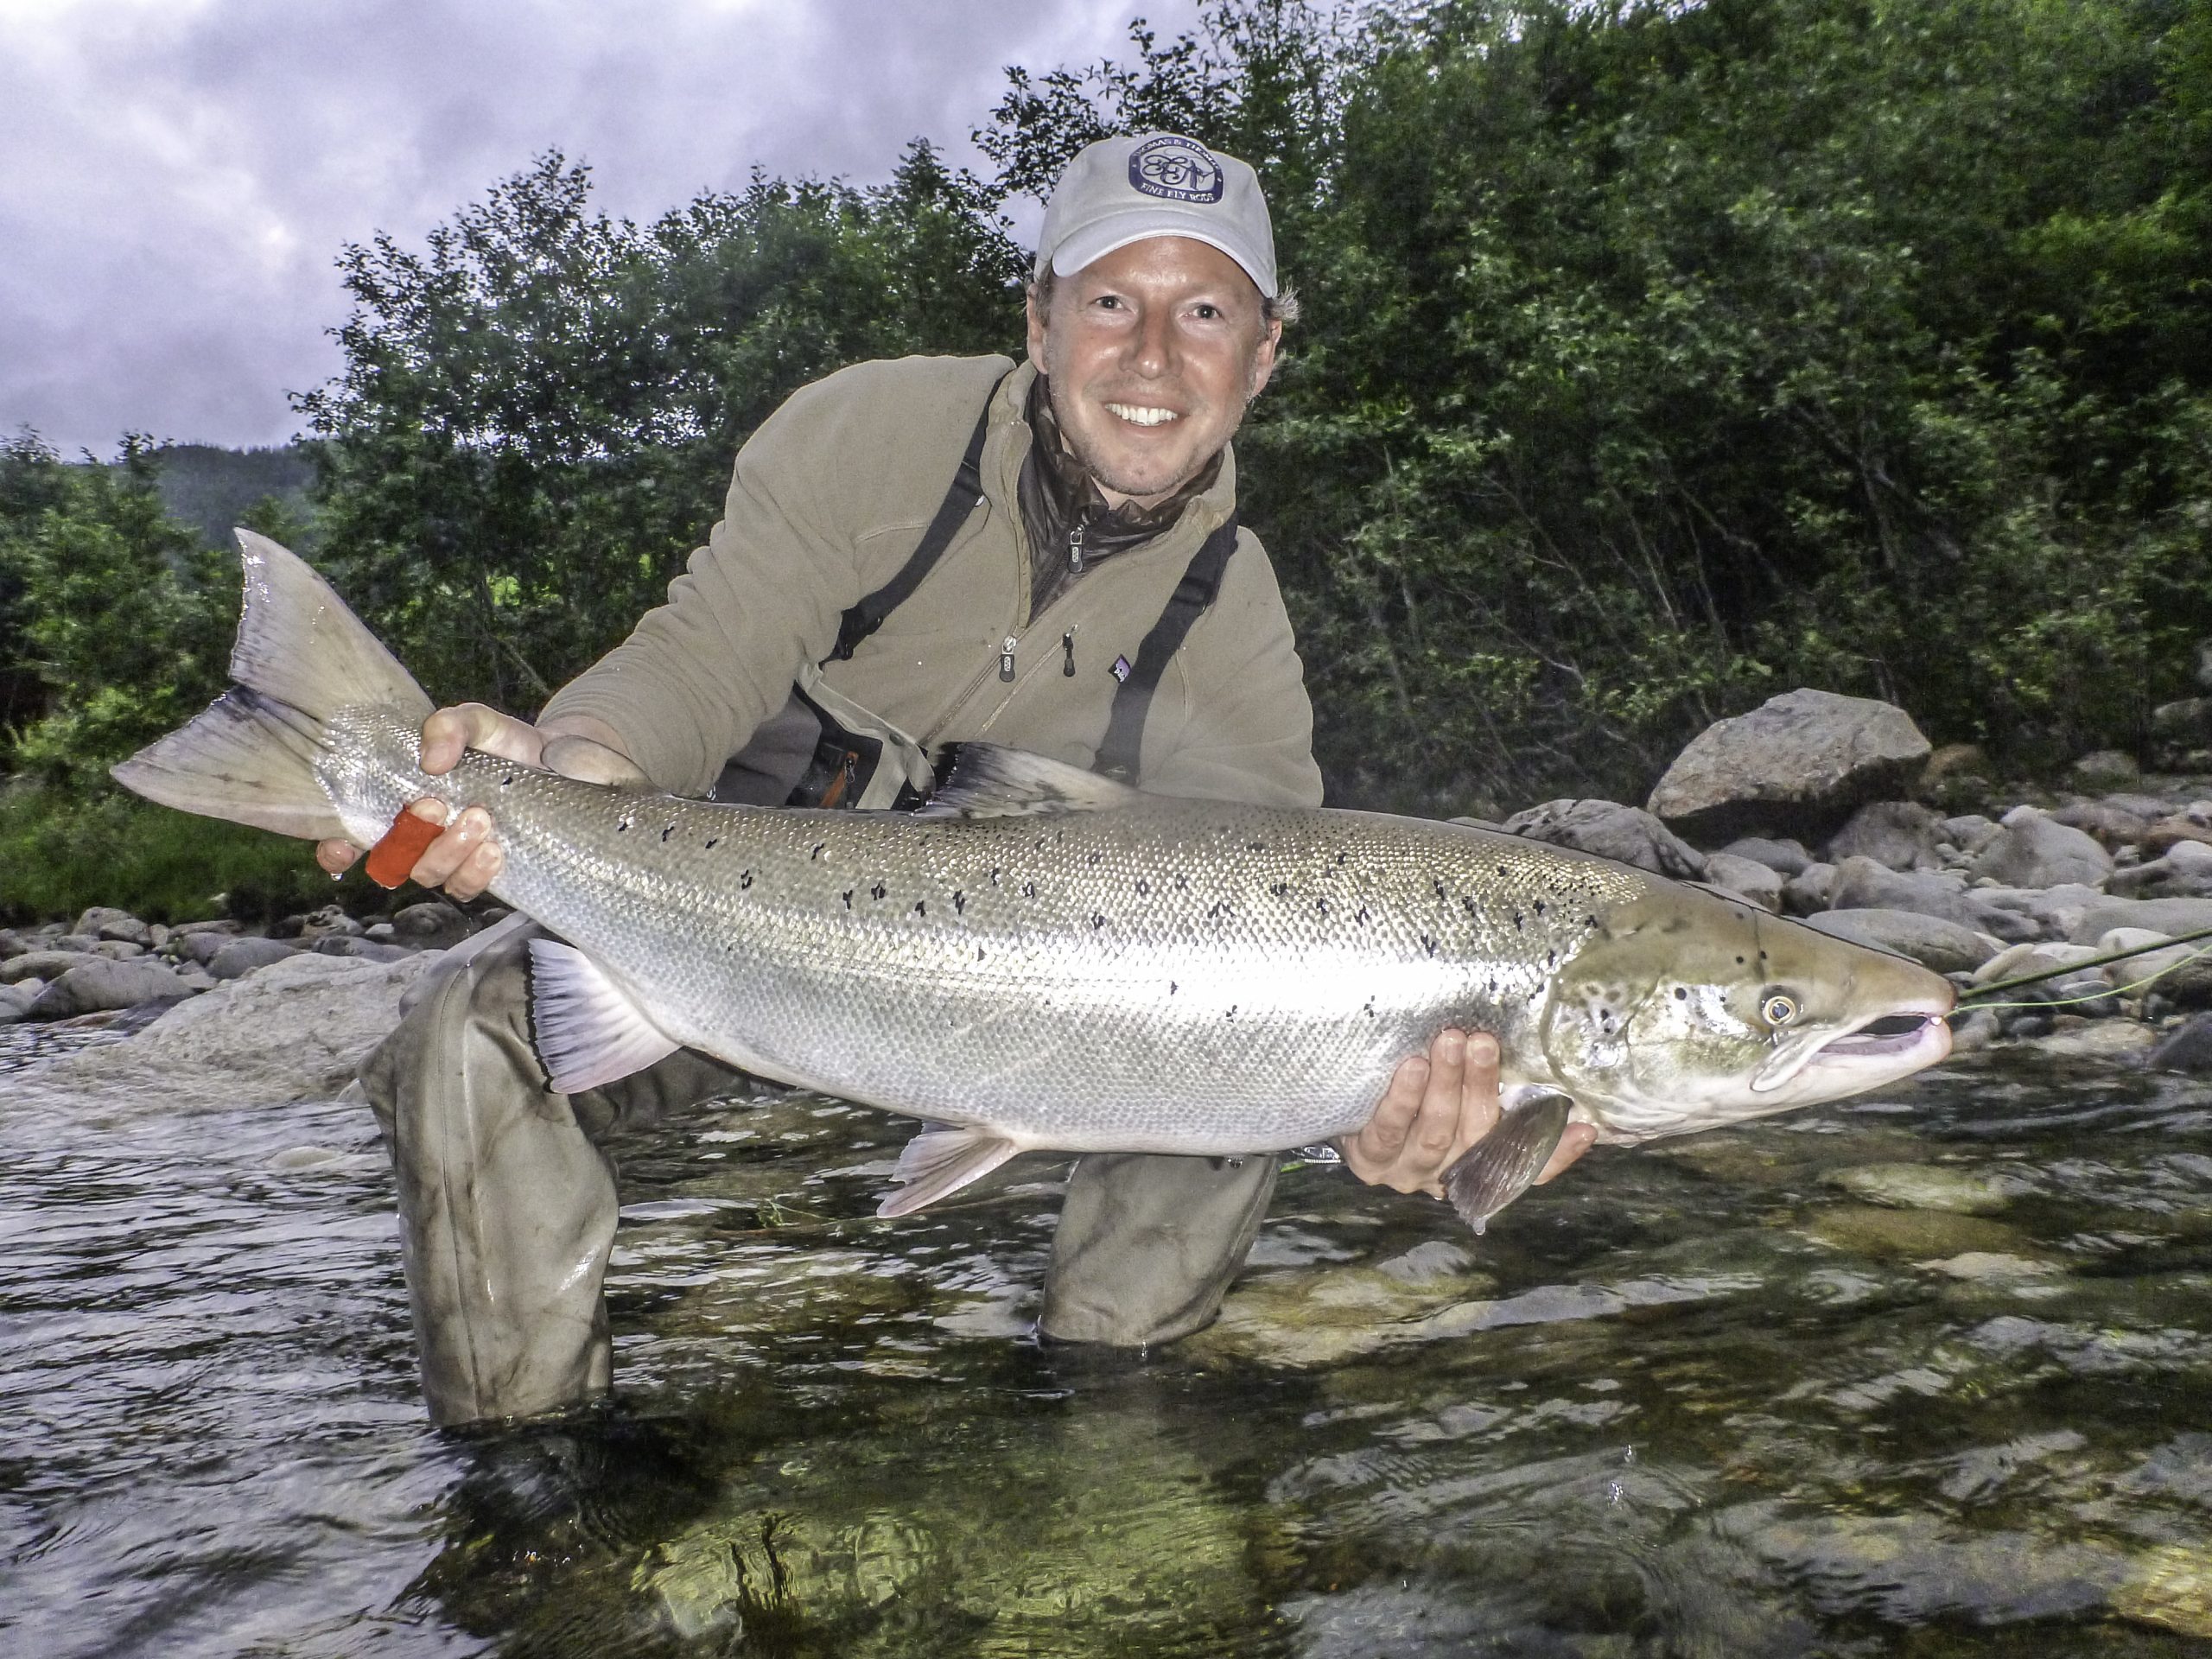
{"x":1208,"y":312}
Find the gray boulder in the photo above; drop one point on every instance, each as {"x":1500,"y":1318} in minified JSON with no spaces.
{"x":2049,"y":912}
{"x":1785,"y":858}
{"x":2187,"y":722}
{"x":1900,"y":834}
{"x":45,"y":965}
{"x":1969,"y":832}
{"x":1933,"y":943}
{"x":92,"y":945}
{"x":1798,"y":763}
{"x":2113,"y":827}
{"x":239,"y":957}
{"x":106,"y":922}
{"x":225,"y":925}
{"x":13,"y":944}
{"x":1746,"y":878}
{"x":342,"y":945}
{"x":2171,"y":916}
{"x":199,"y":948}
{"x":2035,"y":850}
{"x":2184,"y":872}
{"x":97,"y":987}
{"x":2106,"y":769}
{"x":16,"y":1001}
{"x":1611,"y":830}
{"x":2187,"y":1047}
{"x":431,"y":926}
{"x":1807,"y":893}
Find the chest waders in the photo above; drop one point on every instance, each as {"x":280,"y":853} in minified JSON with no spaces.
{"x":823,"y":749}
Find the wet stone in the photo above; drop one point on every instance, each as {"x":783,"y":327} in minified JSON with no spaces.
{"x":1892,"y":1234}
{"x":1928,"y":1186}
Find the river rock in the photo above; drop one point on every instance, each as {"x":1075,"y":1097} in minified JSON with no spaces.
{"x":1806,"y":893}
{"x":1785,"y":858}
{"x":1746,"y":878}
{"x":1799,"y":762}
{"x":2188,"y":720}
{"x":2171,"y":916}
{"x":90,"y":944}
{"x":224,"y":925}
{"x":16,"y":1001}
{"x":2105,"y":769}
{"x":1956,"y":775}
{"x":106,"y":922}
{"x":2187,"y":1047}
{"x":98,"y":985}
{"x":45,"y":965}
{"x":2184,"y":871}
{"x":1900,"y":834}
{"x":239,"y":957}
{"x":1928,"y":1186}
{"x":295,"y":1031}
{"x":1611,"y":830}
{"x":200,"y":948}
{"x":2112,"y":827}
{"x":342,"y":944}
{"x":1946,"y":947}
{"x":2035,"y":850}
{"x":430,"y":926}
{"x":1969,"y":831}
{"x":1861,"y":884}
{"x":2016,"y":913}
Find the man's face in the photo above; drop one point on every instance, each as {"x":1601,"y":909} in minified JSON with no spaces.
{"x":1153,"y":351}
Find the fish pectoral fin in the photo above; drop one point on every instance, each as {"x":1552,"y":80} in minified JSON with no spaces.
{"x":588,"y":1030}
{"x":939,"y":1161}
{"x":1505,"y":1163}
{"x":987,"y":780}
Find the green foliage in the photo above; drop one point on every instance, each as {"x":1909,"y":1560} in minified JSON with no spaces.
{"x":62,"y":851}
{"x":117,"y":620}
{"x":537,"y":419}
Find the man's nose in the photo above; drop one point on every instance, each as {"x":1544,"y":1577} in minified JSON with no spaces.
{"x":1152,"y":349}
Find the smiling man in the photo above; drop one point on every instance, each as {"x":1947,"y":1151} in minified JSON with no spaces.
{"x":913,"y":554}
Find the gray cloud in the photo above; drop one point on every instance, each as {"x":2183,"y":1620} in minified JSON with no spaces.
{"x":180,"y":173}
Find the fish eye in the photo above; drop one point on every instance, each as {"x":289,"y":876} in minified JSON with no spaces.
{"x":1778,"y":1009}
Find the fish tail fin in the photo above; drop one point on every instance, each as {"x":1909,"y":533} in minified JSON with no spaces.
{"x":300,"y":657}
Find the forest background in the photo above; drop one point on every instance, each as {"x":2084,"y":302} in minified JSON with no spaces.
{"x":1657,"y":358}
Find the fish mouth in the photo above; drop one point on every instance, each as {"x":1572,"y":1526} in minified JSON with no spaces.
{"x":1887,"y":1045}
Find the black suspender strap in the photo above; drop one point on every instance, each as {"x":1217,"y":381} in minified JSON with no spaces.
{"x":1201,"y":582}
{"x":963,"y":498}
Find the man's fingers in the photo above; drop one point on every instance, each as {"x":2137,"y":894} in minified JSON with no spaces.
{"x":1438,"y":1126}
{"x":336,"y":856}
{"x":1578,"y":1140}
{"x":448,"y":732}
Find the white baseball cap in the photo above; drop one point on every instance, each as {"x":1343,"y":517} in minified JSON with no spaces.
{"x":1124,"y":190}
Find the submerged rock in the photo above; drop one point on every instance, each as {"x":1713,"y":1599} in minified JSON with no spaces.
{"x":2187,"y":1047}
{"x":1928,"y":1186}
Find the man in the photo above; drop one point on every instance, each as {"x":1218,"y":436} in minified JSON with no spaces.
{"x":1097,"y":485}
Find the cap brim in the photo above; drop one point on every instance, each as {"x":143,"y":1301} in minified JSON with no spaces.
{"x":1093,"y":242}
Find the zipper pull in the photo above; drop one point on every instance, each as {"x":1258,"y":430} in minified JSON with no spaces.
{"x":1067,"y":645}
{"x":1075,"y":551}
{"x":1006,"y":658}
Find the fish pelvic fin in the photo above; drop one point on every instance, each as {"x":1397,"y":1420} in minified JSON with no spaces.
{"x":938,"y":1162}
{"x":300,"y":657}
{"x":988,"y":780}
{"x":588,"y":1030}
{"x":1505,"y":1163}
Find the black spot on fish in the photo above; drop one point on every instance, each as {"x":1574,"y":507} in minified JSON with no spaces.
{"x":1467,"y":904}
{"x":1097,"y":921}
{"x":979,"y":953}
{"x":1231,"y":1014}
{"x":621,"y":825}
{"x":1519,"y":920}
{"x":1437,"y":886}
{"x":959,"y":904}
{"x":1214,"y":911}
{"x":1095,"y":857}
{"x":666,"y":833}
{"x":995,"y":874}
{"x":1551,"y":958}
{"x":876,"y":892}
{"x":1143,"y":888}
{"x":1281,"y":889}
{"x":713,"y":842}
{"x":1362,"y":918}
{"x":1538,"y":907}
{"x":818,"y":845}
{"x":1182,"y":882}
{"x":1321,"y":905}
{"x":849,"y":898}
{"x":745,"y":881}
{"x":506,"y":780}
{"x":921,"y":906}
{"x":1029,"y":889}
{"x":1502,"y":870}
{"x":1428,"y":944}
{"x":1170,"y":988}
{"x":1340,"y":859}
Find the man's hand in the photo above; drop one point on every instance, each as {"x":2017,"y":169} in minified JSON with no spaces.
{"x":1437,"y":1106}
{"x":465,"y":859}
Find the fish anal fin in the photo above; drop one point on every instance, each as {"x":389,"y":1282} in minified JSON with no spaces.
{"x":987,"y":780}
{"x":940,"y":1161}
{"x":1505,"y":1163}
{"x":588,"y":1031}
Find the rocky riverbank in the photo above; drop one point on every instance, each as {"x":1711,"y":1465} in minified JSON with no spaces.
{"x":1833,"y":810}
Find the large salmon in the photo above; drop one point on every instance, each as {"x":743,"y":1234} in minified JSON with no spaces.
{"x":1043,"y":959}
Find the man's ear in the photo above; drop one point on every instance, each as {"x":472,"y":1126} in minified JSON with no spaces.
{"x":1263,"y":358}
{"x":1037,"y":330}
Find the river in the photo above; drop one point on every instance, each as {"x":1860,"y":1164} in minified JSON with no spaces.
{"x":1928,"y":1373}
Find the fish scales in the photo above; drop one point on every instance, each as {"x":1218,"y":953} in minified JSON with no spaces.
{"x":1036,"y":974}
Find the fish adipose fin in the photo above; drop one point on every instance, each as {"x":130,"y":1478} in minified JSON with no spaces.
{"x":300,"y":657}
{"x":939,"y":1161}
{"x":588,"y":1031}
{"x":986,"y":780}
{"x":1505,"y":1163}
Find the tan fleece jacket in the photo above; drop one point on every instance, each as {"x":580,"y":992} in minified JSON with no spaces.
{"x":830,"y":496}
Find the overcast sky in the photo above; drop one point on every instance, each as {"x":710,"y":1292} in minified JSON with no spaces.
{"x":176,"y":176}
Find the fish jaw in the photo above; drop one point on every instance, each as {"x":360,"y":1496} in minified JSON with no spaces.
{"x":1909,"y":1038}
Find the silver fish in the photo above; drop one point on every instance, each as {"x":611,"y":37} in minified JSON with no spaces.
{"x":1043,"y":959}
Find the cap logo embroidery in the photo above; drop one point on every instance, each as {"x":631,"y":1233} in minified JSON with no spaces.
{"x":1175,"y":169}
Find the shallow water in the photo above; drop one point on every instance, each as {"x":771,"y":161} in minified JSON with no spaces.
{"x":1710,"y":1399}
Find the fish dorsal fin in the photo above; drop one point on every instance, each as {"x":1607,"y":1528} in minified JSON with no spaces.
{"x":987,"y":780}
{"x":940,"y":1161}
{"x":588,"y":1031}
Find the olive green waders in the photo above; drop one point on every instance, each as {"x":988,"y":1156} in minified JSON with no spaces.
{"x":507,"y":1205}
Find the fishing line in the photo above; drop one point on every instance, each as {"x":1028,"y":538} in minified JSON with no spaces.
{"x":1971,"y":1000}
